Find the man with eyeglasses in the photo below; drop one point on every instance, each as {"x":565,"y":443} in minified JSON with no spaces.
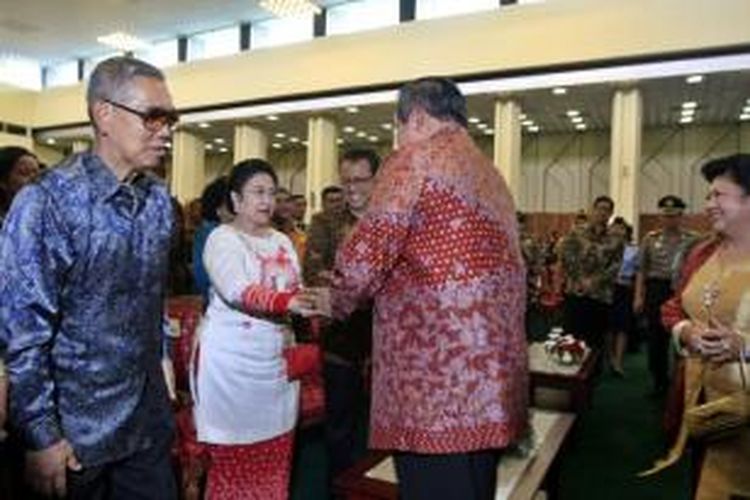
{"x":84,"y":254}
{"x":346,"y":343}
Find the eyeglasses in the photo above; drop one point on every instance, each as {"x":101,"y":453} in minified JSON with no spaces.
{"x":356,"y":181}
{"x":153,"y":119}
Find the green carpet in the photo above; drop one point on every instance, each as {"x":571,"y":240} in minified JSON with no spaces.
{"x":619,"y":436}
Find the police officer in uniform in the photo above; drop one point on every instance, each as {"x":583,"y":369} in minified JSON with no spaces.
{"x":653,"y":286}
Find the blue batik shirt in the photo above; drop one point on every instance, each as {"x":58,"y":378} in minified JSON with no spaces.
{"x":83,"y":259}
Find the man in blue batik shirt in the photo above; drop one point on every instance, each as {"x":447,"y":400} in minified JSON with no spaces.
{"x":84,"y":254}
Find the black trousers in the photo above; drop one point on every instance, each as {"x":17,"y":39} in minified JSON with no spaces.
{"x":455,"y":476}
{"x":657,"y":292}
{"x":146,"y":475}
{"x":345,"y":400}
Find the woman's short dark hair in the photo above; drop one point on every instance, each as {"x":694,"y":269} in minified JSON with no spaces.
{"x":243,"y":172}
{"x":736,"y":167}
{"x":438,"y":97}
{"x":9,"y":156}
{"x":213,"y":197}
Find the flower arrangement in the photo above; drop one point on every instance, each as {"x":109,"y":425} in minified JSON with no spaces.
{"x":564,"y":349}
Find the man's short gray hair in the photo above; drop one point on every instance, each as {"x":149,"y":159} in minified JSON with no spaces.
{"x":112,"y":76}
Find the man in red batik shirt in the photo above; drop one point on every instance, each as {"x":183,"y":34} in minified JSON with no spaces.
{"x":438,"y":251}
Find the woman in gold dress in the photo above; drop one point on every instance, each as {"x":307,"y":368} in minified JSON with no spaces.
{"x":710,"y":319}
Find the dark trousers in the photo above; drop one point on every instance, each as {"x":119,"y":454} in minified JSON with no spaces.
{"x":344,"y":401}
{"x":657,"y":292}
{"x":456,"y":476}
{"x":587,"y":319}
{"x":146,"y":475}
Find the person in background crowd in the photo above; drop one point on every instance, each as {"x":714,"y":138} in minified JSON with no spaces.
{"x":590,"y":258}
{"x":534,"y":260}
{"x":332,"y":200}
{"x":283,"y":220}
{"x":18,"y":167}
{"x":438,"y":251}
{"x":653,"y":284}
{"x":85,"y":254}
{"x":621,"y":320}
{"x":299,"y":203}
{"x":214,"y":211}
{"x":347,"y":343}
{"x":245,"y":399}
{"x":709,"y":318}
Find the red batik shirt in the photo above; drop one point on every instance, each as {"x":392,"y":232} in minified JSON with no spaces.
{"x":439,"y":252}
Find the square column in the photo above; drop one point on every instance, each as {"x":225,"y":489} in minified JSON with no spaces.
{"x":249,"y":142}
{"x":507,"y":144}
{"x":322,"y":159}
{"x":627,"y":118}
{"x":188,"y":166}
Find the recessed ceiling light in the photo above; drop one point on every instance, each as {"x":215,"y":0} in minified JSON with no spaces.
{"x":120,"y":40}
{"x":339,"y":141}
{"x":272,"y":118}
{"x":559,"y":91}
{"x":581,"y":126}
{"x":204,"y":125}
{"x":219,"y":140}
{"x":572,"y":113}
{"x":474,"y":119}
{"x":373,"y":138}
{"x":527,"y":123}
{"x":489,"y":131}
{"x":51,"y":141}
{"x":686,"y":119}
{"x":745,"y":117}
{"x":305,"y":143}
{"x":352,"y":109}
{"x":280,"y":135}
{"x":482,"y":125}
{"x":693,"y":79}
{"x":209,"y":147}
{"x":168,"y":145}
{"x":349,"y":129}
{"x":746,"y":109}
{"x":361,"y":133}
{"x":522,"y":116}
{"x":223,"y":150}
{"x":290,"y":8}
{"x":689,"y":105}
{"x":294,"y":139}
{"x":577,"y":119}
{"x":688,"y":112}
{"x":276,"y":145}
{"x":533,"y":129}
{"x":386,"y":126}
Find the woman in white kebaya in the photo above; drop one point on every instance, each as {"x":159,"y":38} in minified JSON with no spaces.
{"x":245,"y":398}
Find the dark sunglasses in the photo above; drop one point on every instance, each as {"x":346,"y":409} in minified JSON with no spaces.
{"x":154,"y":119}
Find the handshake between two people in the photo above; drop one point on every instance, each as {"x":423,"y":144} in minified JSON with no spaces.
{"x":313,"y":301}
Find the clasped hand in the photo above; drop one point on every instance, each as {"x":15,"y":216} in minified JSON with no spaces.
{"x":713,"y":341}
{"x":311,"y":302}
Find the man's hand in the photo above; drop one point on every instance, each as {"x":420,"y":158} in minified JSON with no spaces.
{"x":46,"y":469}
{"x":3,"y":405}
{"x":638,"y":304}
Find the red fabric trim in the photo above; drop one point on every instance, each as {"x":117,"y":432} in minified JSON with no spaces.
{"x":671,"y":311}
{"x":258,"y":298}
{"x":301,"y":360}
{"x":484,"y":437}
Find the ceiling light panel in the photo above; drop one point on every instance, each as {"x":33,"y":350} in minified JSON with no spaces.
{"x":120,"y":40}
{"x":290,"y":8}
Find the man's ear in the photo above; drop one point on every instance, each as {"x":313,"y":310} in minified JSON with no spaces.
{"x":101,"y":114}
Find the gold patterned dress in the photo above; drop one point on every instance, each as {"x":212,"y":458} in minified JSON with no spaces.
{"x":721,"y":290}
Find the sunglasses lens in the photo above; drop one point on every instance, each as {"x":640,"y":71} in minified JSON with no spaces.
{"x":157,"y":119}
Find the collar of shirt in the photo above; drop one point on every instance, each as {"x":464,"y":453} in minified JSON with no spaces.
{"x":106,"y":185}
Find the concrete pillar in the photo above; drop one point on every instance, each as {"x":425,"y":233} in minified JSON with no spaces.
{"x":188,"y":166}
{"x":249,"y":142}
{"x":322,"y":159}
{"x":507,"y":144}
{"x":627,"y":118}
{"x":81,"y":146}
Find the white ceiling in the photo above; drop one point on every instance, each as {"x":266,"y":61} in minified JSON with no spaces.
{"x":52,"y":30}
